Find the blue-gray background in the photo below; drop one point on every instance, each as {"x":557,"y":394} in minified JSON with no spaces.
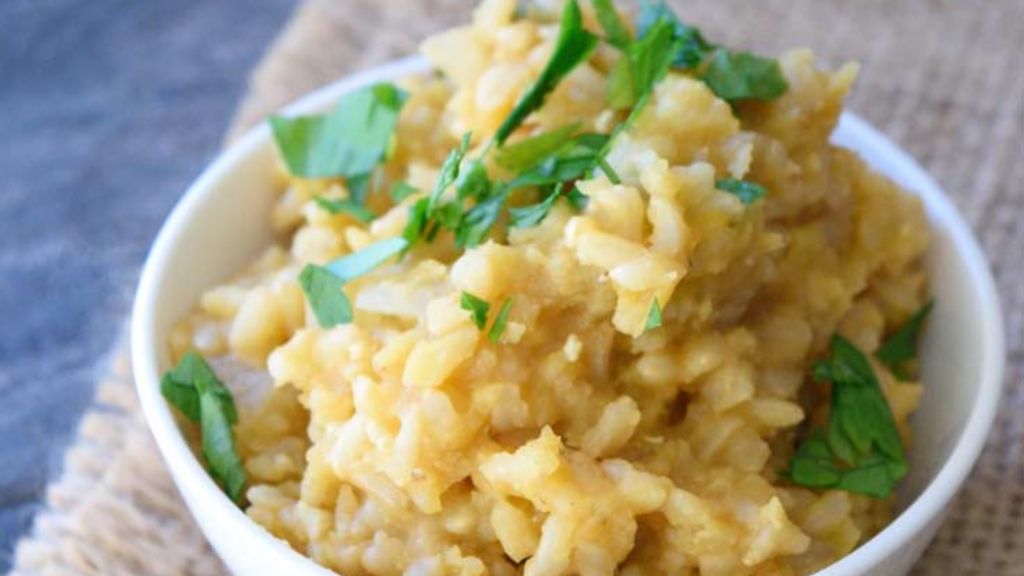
{"x":108,"y":108}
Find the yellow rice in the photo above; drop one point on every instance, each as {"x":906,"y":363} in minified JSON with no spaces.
{"x":405,"y":443}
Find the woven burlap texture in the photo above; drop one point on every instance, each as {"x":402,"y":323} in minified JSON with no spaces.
{"x":943,"y":78}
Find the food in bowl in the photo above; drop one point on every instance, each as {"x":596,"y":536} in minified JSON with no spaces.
{"x":596,"y":298}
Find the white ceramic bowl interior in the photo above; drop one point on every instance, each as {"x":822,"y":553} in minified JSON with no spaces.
{"x":222,"y":223}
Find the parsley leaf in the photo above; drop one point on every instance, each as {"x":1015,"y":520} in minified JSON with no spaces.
{"x":574,"y":45}
{"x":358,"y":187}
{"x":323,"y":291}
{"x":322,"y":284}
{"x":527,"y":153}
{"x":747,"y":192}
{"x":348,"y":142}
{"x":477,"y":307}
{"x":402,"y":190}
{"x":813,"y":465}
{"x":692,"y":47}
{"x":642,"y":66}
{"x":448,"y":215}
{"x":573,"y":160}
{"x":862,"y":412}
{"x":178,"y":387}
{"x":494,"y":334}
{"x":861,"y":450}
{"x":360,"y":263}
{"x":472,"y":181}
{"x":477,"y":222}
{"x":347,"y":206}
{"x":218,"y":442}
{"x":417,"y":222}
{"x":195,"y":390}
{"x":653,"y":316}
{"x":901,"y":346}
{"x":533,"y":214}
{"x":615,"y":30}
{"x":449,"y":172}
{"x":858,"y":404}
{"x":734,"y":76}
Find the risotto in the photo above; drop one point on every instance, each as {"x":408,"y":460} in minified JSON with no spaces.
{"x":556,"y":309}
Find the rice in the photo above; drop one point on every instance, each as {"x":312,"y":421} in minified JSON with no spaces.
{"x":405,"y":443}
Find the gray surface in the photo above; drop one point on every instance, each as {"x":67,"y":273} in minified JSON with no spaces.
{"x":108,"y":108}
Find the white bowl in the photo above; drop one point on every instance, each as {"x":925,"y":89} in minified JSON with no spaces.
{"x":222,"y":223}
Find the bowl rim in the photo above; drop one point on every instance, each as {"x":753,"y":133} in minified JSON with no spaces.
{"x":191,"y":478}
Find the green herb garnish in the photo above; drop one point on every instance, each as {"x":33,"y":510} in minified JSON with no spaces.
{"x":653,"y":317}
{"x":644,"y":63}
{"x":533,"y":214}
{"x":615,"y":30}
{"x":323,"y":291}
{"x":861,"y":450}
{"x":346,"y":206}
{"x":732,"y":76}
{"x":322,"y":284}
{"x":901,"y":346}
{"x":194,"y":389}
{"x":527,"y":153}
{"x":691,"y":46}
{"x":494,"y":334}
{"x":735,"y":76}
{"x":746,"y":191}
{"x":574,"y":45}
{"x":478,"y":221}
{"x":477,"y":307}
{"x":472,"y":181}
{"x":349,"y":142}
{"x":449,"y":172}
{"x":417,"y":222}
{"x":573,"y":160}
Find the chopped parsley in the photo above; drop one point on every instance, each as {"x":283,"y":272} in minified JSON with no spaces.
{"x":346,"y":206}
{"x":691,"y":45}
{"x":194,"y":390}
{"x":860,"y":450}
{"x":494,"y":334}
{"x":417,"y":222}
{"x":573,"y":160}
{"x":527,"y":153}
{"x":653,"y":317}
{"x":322,"y":284}
{"x":533,"y":214}
{"x":615,"y":31}
{"x":747,"y":192}
{"x":478,"y":221}
{"x":735,"y":76}
{"x":449,"y":172}
{"x":323,"y":291}
{"x":477,"y":308}
{"x":901,"y":346}
{"x":574,"y":46}
{"x":643,"y":64}
{"x":472,"y":181}
{"x":348,"y":142}
{"x":732,"y":76}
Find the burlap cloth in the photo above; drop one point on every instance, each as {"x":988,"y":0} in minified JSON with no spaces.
{"x":944,"y":78}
